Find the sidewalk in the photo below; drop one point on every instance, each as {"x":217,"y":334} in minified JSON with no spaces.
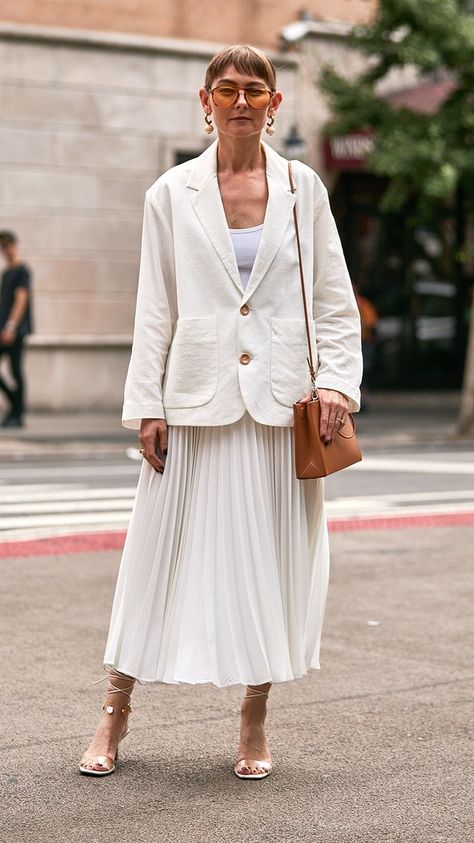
{"x":394,"y":419}
{"x":373,"y":748}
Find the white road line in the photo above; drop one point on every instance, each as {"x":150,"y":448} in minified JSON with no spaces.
{"x":30,"y":494}
{"x":427,"y":500}
{"x":121,"y":512}
{"x":67,"y":471}
{"x":418,"y":466}
{"x":404,"y":464}
{"x":334,"y":512}
{"x":26,"y":488}
{"x":26,"y":508}
{"x":456,"y":494}
{"x":48,"y":532}
{"x":70,"y":519}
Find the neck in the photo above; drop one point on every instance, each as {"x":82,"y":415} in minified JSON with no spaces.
{"x":240,"y":154}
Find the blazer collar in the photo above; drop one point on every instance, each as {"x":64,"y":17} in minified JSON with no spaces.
{"x":208,"y":205}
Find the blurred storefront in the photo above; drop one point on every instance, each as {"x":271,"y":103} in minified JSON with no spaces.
{"x":412,"y":275}
{"x":415,"y":281}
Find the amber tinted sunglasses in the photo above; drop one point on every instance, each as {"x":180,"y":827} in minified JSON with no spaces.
{"x":225,"y":96}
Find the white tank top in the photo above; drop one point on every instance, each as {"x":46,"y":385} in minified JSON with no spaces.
{"x":245,"y":242}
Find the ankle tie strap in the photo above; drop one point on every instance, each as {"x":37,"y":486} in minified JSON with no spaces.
{"x":255,"y":693}
{"x":111,"y":674}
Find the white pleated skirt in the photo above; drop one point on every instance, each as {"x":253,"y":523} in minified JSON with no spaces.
{"x":225,"y":567}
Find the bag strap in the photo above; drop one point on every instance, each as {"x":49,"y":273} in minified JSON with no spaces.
{"x":309,"y":358}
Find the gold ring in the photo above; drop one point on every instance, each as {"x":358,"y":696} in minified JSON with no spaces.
{"x":340,"y":420}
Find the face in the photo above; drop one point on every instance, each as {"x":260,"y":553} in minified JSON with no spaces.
{"x":239,"y":119}
{"x":9,"y":251}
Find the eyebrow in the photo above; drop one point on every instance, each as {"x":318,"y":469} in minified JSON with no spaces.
{"x":233,"y":82}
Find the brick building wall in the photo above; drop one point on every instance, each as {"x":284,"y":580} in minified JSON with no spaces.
{"x":253,"y":21}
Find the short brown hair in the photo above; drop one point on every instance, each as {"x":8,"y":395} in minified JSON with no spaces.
{"x":7,"y":238}
{"x":246,"y":60}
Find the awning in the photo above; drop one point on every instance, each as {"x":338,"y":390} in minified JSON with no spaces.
{"x":349,"y":152}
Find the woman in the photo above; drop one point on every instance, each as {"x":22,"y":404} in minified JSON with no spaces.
{"x":224,"y":571}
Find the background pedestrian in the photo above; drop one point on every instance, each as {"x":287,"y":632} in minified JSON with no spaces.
{"x":15,"y":324}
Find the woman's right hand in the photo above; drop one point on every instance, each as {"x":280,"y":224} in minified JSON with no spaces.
{"x":154,"y":441}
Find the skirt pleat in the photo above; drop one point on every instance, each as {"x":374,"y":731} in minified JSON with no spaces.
{"x":224,"y":572}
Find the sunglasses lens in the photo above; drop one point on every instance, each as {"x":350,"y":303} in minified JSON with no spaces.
{"x":224,"y":97}
{"x":258,"y":98}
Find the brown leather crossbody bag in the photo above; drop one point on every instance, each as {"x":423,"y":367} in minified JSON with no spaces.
{"x":312,"y":457}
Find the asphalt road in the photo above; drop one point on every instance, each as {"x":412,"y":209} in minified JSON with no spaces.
{"x":373,"y":748}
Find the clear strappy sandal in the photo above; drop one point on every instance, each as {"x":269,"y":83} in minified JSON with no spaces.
{"x":107,"y":762}
{"x":250,"y":768}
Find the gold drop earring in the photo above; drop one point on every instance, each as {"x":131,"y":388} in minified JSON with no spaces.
{"x":270,"y":130}
{"x":209,"y":128}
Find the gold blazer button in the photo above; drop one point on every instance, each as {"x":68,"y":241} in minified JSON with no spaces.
{"x":245,"y":358}
{"x":244,"y":309}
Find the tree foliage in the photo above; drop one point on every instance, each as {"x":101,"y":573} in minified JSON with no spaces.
{"x":425,"y":156}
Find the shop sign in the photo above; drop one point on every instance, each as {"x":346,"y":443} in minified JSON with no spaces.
{"x":348,"y":152}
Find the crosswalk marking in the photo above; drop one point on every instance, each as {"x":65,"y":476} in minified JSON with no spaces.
{"x":416,"y":465}
{"x":334,"y":510}
{"x":32,"y":473}
{"x":48,"y":492}
{"x":38,"y":501}
{"x":402,"y":503}
{"x":66,"y":506}
{"x":71,"y":519}
{"x":443,"y":464}
{"x":36,"y":510}
{"x":39,"y":510}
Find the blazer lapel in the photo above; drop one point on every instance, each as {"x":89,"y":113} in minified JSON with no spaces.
{"x":208,"y":205}
{"x":277,"y":216}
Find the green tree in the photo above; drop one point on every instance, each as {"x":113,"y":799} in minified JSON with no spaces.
{"x":428,"y":158}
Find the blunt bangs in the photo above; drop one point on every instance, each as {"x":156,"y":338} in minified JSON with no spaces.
{"x":250,"y":61}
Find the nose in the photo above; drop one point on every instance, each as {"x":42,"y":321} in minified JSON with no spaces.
{"x":241,"y":99}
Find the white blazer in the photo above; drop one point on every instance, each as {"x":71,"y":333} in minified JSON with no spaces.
{"x":204,"y":349}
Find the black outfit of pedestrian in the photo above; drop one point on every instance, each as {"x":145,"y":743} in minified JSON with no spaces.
{"x":13,"y":278}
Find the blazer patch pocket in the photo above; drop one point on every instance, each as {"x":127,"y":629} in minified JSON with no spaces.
{"x":289,"y":373}
{"x":192,"y":367}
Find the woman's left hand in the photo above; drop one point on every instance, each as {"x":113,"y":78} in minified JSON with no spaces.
{"x":334,"y":410}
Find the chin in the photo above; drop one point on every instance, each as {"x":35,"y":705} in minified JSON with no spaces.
{"x":241,"y":129}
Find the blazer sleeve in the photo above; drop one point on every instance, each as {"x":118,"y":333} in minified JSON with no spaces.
{"x":335,"y":311}
{"x":155,"y":317}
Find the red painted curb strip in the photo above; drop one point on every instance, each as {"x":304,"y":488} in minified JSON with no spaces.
{"x":393,"y":522}
{"x":114,"y":540}
{"x":78,"y":543}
